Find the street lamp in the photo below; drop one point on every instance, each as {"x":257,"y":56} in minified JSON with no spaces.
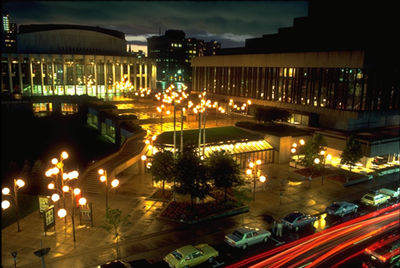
{"x":104,"y":178}
{"x":61,"y":186}
{"x":318,"y":162}
{"x":160,"y":110}
{"x":253,"y":172}
{"x":296,"y":150}
{"x":18,"y":184}
{"x":63,"y":212}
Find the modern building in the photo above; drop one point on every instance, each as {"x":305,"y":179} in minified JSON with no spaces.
{"x":8,"y":34}
{"x":173,"y":53}
{"x":325,"y":72}
{"x":74,"y":60}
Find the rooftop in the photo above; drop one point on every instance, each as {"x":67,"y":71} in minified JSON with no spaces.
{"x":50,"y":27}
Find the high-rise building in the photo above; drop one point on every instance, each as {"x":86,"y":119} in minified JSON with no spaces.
{"x":8,"y":34}
{"x":211,"y":48}
{"x":173,"y":53}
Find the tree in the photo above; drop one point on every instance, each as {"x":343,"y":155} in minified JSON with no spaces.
{"x":312,"y":151}
{"x":162,"y":167}
{"x":190,"y":175}
{"x":352,"y":153}
{"x":267,"y":114}
{"x":113,"y":221}
{"x":224,"y":171}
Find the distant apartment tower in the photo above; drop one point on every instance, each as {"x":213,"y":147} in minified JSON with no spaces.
{"x":8,"y":34}
{"x":173,"y":53}
{"x":211,"y":48}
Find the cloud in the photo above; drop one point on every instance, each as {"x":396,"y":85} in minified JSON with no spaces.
{"x":227,"y":21}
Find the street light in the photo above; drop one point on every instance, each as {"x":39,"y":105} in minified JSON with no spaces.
{"x":61,"y":186}
{"x":73,"y":192}
{"x":253,"y":172}
{"x":296,"y":150}
{"x":318,"y":162}
{"x":18,"y":184}
{"x":104,"y":178}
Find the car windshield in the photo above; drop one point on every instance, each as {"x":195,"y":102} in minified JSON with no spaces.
{"x":292,"y":217}
{"x":177,"y":255}
{"x":237,"y":233}
{"x":334,"y":206}
{"x":368,"y":197}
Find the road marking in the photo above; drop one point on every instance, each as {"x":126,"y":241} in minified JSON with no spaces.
{"x":305,"y":264}
{"x":277,"y":241}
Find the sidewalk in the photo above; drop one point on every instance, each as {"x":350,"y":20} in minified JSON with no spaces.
{"x":93,"y":244}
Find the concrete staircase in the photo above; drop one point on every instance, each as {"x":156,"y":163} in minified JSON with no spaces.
{"x":129,"y":153}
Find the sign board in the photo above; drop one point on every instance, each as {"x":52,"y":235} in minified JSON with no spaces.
{"x":86,"y":214}
{"x":49,"y":219}
{"x":44,"y":203}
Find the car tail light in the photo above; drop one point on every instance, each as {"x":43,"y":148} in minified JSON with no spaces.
{"x":382,"y":259}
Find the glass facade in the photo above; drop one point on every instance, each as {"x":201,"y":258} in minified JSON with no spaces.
{"x":54,"y":74}
{"x":348,"y":89}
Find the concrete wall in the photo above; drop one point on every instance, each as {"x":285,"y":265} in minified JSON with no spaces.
{"x":330,"y":59}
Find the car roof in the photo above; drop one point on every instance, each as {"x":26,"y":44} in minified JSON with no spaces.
{"x":188,"y":249}
{"x":245,"y":229}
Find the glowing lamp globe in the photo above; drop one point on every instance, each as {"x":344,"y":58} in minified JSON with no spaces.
{"x":20,"y":183}
{"x":62,"y":213}
{"x":5,"y":190}
{"x":82,"y":201}
{"x":5,"y":204}
{"x":115,"y":183}
{"x":55,"y":197}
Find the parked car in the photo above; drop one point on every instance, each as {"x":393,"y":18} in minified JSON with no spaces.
{"x":247,"y":236}
{"x":389,"y":192}
{"x":296,"y":220}
{"x":341,"y":208}
{"x":189,"y":255}
{"x":374,"y":199}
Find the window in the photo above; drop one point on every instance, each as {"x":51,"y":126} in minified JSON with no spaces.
{"x":197,"y":254}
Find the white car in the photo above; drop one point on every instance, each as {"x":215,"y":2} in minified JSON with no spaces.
{"x":389,"y":192}
{"x":246,"y":236}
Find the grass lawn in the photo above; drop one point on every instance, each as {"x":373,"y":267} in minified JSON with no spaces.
{"x":213,"y":135}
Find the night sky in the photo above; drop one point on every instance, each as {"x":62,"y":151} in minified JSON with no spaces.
{"x":229,"y":22}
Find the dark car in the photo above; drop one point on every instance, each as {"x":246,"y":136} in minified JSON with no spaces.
{"x":296,"y":220}
{"x":341,"y":208}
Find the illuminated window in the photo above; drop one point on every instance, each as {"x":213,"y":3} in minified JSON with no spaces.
{"x":290,"y":72}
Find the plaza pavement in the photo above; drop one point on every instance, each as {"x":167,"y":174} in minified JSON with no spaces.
{"x":148,"y":236}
